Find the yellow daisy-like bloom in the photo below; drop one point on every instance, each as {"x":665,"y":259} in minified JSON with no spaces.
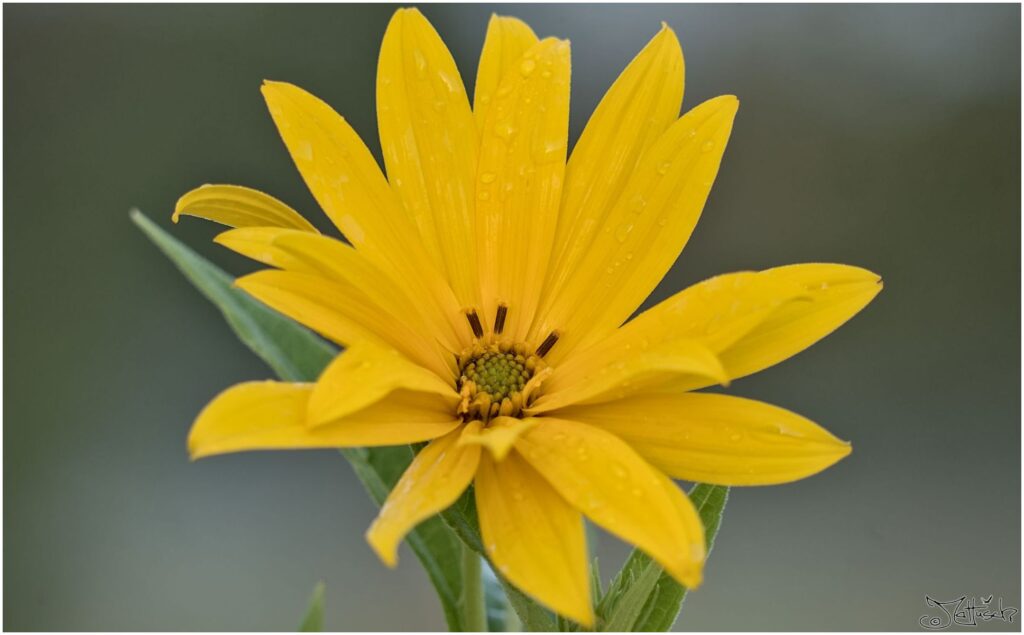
{"x":484,"y":299}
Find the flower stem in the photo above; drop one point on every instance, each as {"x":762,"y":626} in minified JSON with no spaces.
{"x":474,"y":618}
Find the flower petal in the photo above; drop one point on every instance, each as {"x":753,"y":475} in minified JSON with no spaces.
{"x":238,"y":206}
{"x":655,"y":368}
{"x":343,"y":313}
{"x":833,"y":294}
{"x":499,"y":436}
{"x":717,"y":438}
{"x":434,"y":480}
{"x":258,"y":243}
{"x":364,"y":374}
{"x":347,"y":183}
{"x":533,"y":537}
{"x":270,"y":415}
{"x":522,"y":162}
{"x":645,"y":230}
{"x":635,"y":111}
{"x":430,"y":145}
{"x":506,"y":41}
{"x":705,"y":319}
{"x":603,"y":477}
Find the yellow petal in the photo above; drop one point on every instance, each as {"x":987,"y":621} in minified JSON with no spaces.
{"x":533,"y":537}
{"x":347,"y":183}
{"x":705,"y":318}
{"x":645,"y":230}
{"x":717,"y":438}
{"x":303,"y":252}
{"x":663,"y":364}
{"x":603,"y":477}
{"x":833,"y":294}
{"x":364,"y":374}
{"x":258,"y":243}
{"x":343,"y":313}
{"x":238,"y":206}
{"x":335,"y":260}
{"x":506,"y":41}
{"x":271,"y":415}
{"x":635,"y":111}
{"x":499,"y":436}
{"x":522,"y":162}
{"x":435,"y":479}
{"x":429,"y":143}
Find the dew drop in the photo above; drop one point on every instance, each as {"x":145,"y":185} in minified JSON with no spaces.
{"x":527,"y":67}
{"x":421,"y":63}
{"x":304,"y":150}
{"x":488,"y":177}
{"x":734,"y":437}
{"x":351,"y":228}
{"x":663,"y":168}
{"x":483,"y":196}
{"x":622,"y":232}
{"x":618,"y":470}
{"x":546,"y":74}
{"x":505,"y":130}
{"x":707,"y":146}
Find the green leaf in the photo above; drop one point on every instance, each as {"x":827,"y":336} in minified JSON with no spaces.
{"x":643,"y":597}
{"x":292,"y":351}
{"x":314,"y":619}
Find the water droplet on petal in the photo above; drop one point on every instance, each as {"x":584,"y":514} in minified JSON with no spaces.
{"x":304,"y":150}
{"x":707,"y":146}
{"x":488,"y":177}
{"x":505,"y":130}
{"x":663,"y":168}
{"x":527,"y":67}
{"x":622,"y":232}
{"x":421,"y":63}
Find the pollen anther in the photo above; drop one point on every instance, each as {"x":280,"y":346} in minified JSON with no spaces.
{"x":474,"y":323}
{"x":499,"y":319}
{"x":546,"y":345}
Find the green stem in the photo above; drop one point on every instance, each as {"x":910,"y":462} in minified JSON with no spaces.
{"x":474,"y":616}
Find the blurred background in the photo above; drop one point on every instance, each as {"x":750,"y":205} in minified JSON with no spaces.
{"x":882,"y":136}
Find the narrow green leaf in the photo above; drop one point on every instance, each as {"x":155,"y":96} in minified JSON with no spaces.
{"x":314,"y":619}
{"x":293,"y":352}
{"x":643,"y":597}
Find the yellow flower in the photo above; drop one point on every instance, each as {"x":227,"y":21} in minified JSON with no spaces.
{"x":484,"y":300}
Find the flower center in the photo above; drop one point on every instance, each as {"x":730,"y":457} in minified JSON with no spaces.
{"x":498,"y":379}
{"x":498,"y":374}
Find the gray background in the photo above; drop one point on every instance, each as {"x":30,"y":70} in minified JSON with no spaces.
{"x":882,"y":136}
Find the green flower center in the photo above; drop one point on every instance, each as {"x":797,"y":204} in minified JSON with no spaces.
{"x":498,"y":374}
